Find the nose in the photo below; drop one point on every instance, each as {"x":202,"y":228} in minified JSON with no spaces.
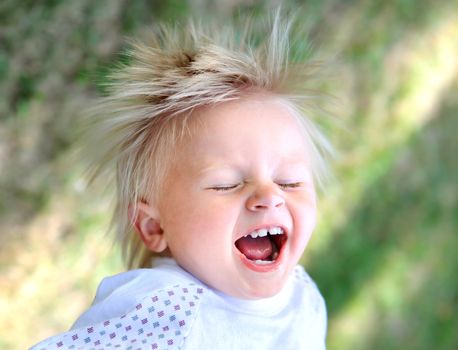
{"x":264,"y":198}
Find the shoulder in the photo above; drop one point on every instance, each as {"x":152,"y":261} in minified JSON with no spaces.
{"x":307,"y":294}
{"x":142,"y":280}
{"x":120,"y":293}
{"x":310,"y":290}
{"x":160,"y":320}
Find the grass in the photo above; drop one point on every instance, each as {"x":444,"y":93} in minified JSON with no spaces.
{"x":387,"y":274}
{"x":383,"y":254}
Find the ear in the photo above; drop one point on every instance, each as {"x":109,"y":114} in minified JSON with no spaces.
{"x":146,"y":223}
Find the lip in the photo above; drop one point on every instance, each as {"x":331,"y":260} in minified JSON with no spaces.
{"x":258,"y":227}
{"x":271,"y":267}
{"x":262,"y":268}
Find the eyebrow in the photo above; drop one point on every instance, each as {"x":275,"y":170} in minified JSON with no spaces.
{"x":216,"y":167}
{"x":295,"y":162}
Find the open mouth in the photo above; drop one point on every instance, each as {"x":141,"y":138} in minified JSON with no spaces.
{"x":262,"y":246}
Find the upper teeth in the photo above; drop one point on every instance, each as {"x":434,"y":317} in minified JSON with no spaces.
{"x":262,"y":232}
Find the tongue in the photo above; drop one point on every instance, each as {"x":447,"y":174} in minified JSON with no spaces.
{"x":255,"y":248}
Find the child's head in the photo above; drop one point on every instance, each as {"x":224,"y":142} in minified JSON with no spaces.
{"x":211,"y":151}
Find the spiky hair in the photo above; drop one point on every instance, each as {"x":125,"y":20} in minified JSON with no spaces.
{"x":174,"y":71}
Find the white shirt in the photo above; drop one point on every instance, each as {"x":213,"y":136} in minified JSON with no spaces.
{"x":167,"y":308}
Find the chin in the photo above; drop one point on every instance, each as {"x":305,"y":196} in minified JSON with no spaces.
{"x":262,"y":292}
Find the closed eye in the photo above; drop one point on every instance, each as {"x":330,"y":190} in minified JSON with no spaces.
{"x":290,"y":185}
{"x":223,"y":188}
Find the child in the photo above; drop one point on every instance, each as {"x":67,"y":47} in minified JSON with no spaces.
{"x":215,"y":179}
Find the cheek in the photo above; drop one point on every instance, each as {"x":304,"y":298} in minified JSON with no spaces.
{"x":305,"y":216}
{"x":194,"y":221}
{"x":304,"y":221}
{"x":311,"y":218}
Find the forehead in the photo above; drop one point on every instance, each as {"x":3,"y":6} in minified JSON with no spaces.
{"x":260,"y":123}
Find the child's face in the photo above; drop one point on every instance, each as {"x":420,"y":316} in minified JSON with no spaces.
{"x":245,"y":170}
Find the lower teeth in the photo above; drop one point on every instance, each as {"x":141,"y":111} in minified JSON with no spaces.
{"x":262,"y":262}
{"x":271,"y":259}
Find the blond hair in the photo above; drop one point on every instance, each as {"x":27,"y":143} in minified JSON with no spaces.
{"x":170,"y":74}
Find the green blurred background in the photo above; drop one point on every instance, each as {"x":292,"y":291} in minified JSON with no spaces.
{"x":384,"y":254}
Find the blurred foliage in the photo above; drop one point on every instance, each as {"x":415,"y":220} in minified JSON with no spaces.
{"x":383,"y":254}
{"x":388,"y":273}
